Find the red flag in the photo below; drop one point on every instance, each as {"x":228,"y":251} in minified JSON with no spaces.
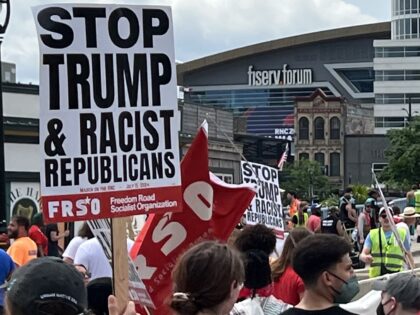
{"x":211,"y":209}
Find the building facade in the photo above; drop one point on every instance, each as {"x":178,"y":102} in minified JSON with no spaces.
{"x":397,"y":68}
{"x":320,"y":120}
{"x":260,"y":83}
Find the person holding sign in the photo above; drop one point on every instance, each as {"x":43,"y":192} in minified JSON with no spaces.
{"x":381,"y":249}
{"x":207,"y":280}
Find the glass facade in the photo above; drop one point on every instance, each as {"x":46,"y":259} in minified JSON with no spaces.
{"x":397,"y":75}
{"x":405,"y":19}
{"x":390,"y":122}
{"x":397,"y":52}
{"x":361,"y":80}
{"x":268,"y":111}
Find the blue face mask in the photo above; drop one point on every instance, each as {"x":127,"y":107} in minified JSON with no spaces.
{"x":348,"y":290}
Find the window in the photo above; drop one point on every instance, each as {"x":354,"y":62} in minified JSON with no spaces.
{"x":319,"y":128}
{"x":320,"y":158}
{"x":361,"y":80}
{"x":335,"y":128}
{"x":303,"y":156}
{"x":227,"y":178}
{"x":303,"y":128}
{"x":335,"y":164}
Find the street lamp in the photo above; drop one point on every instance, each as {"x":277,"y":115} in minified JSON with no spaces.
{"x":4,"y":22}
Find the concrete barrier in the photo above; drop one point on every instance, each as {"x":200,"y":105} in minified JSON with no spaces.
{"x":366,"y":284}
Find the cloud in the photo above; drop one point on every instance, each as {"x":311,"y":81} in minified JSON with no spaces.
{"x":201,"y":27}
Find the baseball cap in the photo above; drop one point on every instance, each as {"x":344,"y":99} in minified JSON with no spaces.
{"x":46,"y":281}
{"x":404,"y":287}
{"x":383,"y":209}
{"x":316,"y":206}
{"x":369,"y":202}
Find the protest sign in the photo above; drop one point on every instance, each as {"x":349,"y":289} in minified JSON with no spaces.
{"x":109,"y":118}
{"x":211,"y":210}
{"x":266,"y":207}
{"x":136,"y":290}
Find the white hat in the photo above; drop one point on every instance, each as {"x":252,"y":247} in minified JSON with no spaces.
{"x":409,"y":212}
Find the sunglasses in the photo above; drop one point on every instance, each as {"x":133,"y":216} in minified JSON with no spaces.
{"x":383,"y":216}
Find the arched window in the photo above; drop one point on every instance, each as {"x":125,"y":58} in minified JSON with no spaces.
{"x":319,"y":128}
{"x":335,"y":128}
{"x":303,"y":156}
{"x":335,"y":164}
{"x":303,"y":128}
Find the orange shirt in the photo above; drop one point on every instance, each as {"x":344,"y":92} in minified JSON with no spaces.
{"x":294,"y":206}
{"x":22,"y":250}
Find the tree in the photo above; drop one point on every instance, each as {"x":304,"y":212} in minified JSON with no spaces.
{"x":306,"y":179}
{"x":403,"y":156}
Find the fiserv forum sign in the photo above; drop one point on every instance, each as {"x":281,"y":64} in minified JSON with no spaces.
{"x":284,"y":76}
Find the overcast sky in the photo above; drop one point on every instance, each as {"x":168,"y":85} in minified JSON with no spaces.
{"x":205,"y":27}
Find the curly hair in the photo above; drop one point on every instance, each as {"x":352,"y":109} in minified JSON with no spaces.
{"x":256,"y":237}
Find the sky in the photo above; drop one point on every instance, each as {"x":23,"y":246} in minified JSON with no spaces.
{"x":206,"y":27}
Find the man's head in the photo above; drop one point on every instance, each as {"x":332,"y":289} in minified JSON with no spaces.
{"x":383,"y":219}
{"x":372,"y":193}
{"x":45,"y":286}
{"x":18,"y":227}
{"x":400,"y":293}
{"x":414,"y":187}
{"x":324,"y":264}
{"x":369,"y":204}
{"x":291,"y":195}
{"x":348,"y":192}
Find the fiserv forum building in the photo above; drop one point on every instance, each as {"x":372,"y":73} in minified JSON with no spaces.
{"x":373,"y":66}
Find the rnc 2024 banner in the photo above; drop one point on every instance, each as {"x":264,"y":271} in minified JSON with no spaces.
{"x":109,"y":119}
{"x":266,"y":207}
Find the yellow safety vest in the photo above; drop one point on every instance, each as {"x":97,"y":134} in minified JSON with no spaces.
{"x":305,"y":219}
{"x":417,"y":199}
{"x":392,"y":255}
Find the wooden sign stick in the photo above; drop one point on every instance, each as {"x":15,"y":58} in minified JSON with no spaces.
{"x":120,"y":261}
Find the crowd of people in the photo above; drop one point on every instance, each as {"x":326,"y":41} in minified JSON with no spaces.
{"x":313,"y":273}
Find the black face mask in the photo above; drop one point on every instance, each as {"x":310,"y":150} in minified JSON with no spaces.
{"x":380,"y":309}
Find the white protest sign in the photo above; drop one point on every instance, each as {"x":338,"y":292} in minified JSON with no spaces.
{"x":109,"y":117}
{"x":266,"y":207}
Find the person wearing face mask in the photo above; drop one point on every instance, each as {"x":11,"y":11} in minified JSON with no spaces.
{"x":381,"y":250}
{"x":400,"y":295}
{"x":323,"y":262}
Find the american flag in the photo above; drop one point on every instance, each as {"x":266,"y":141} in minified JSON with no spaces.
{"x":283,"y":158}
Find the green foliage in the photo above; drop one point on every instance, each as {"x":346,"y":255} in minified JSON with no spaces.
{"x":360,"y":193}
{"x":302,"y":176}
{"x":403,"y":156}
{"x":332,"y":200}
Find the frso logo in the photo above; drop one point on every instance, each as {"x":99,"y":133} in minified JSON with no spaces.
{"x":79,"y":208}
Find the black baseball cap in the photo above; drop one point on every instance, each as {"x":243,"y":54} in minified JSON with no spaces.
{"x":46,"y":281}
{"x":405,"y":287}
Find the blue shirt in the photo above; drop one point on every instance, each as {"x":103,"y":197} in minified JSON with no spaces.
{"x":6,"y":268}
{"x":406,"y":241}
